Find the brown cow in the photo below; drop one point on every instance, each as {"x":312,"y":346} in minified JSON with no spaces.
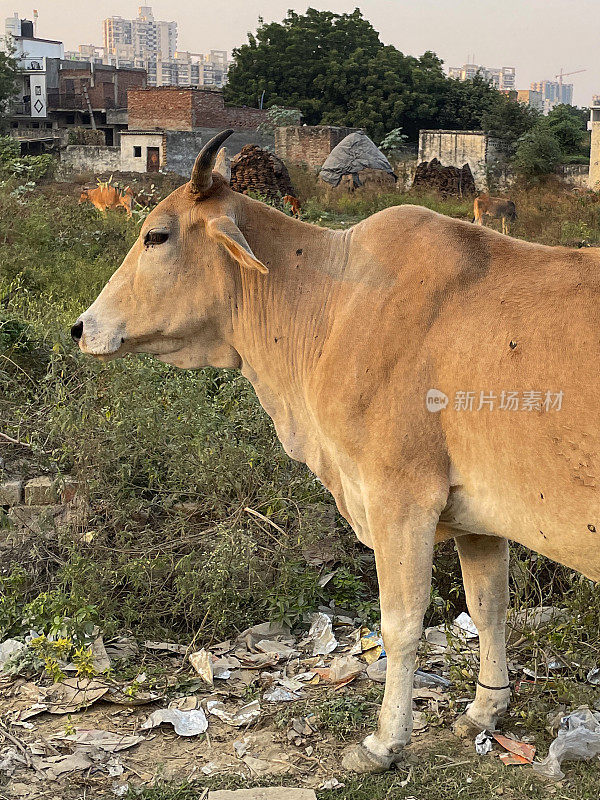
{"x":294,"y":204}
{"x":439,"y":378}
{"x":495,"y":208}
{"x":106,"y":196}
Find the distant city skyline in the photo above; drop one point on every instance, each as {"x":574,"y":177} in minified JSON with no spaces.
{"x":538,"y":37}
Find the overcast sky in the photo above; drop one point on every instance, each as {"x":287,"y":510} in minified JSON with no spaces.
{"x":538,"y":37}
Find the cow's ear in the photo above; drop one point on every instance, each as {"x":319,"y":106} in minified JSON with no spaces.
{"x":223,"y":164}
{"x":224,"y":230}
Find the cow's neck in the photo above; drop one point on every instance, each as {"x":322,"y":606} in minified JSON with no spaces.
{"x":283,"y":319}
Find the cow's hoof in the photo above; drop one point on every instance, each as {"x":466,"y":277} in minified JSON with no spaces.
{"x":358,"y":758}
{"x":466,"y":728}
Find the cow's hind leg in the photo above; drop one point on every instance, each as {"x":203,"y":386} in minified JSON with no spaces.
{"x":403,"y":545}
{"x":484,"y":564}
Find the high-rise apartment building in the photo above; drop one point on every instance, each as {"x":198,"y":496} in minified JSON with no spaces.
{"x":553,"y":93}
{"x":151,"y":44}
{"x":142,"y":37}
{"x":503,"y":78}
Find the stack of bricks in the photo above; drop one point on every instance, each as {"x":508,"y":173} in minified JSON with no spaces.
{"x":446,"y":180}
{"x":38,"y":504}
{"x":259,"y":172}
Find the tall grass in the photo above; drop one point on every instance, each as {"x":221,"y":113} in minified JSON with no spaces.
{"x":169,"y":460}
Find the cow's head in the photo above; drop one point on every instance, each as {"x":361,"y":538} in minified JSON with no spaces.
{"x":84,"y":196}
{"x":172,"y":295}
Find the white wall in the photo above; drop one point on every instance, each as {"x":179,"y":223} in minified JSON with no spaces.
{"x":38,"y":48}
{"x":131,"y":163}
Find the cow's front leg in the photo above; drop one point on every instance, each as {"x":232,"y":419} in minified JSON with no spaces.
{"x":484,"y":564}
{"x":403,"y":545}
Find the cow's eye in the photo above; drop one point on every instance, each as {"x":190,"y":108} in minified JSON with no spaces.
{"x":155,"y":237}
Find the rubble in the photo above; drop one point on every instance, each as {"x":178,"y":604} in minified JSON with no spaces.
{"x":266,"y":662}
{"x":73,"y":694}
{"x":108,"y":741}
{"x":203,"y":664}
{"x":483,"y":743}
{"x":518,"y":752}
{"x":9,"y":650}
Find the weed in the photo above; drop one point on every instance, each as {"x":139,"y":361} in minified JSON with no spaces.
{"x":168,"y":461}
{"x":347,"y":715}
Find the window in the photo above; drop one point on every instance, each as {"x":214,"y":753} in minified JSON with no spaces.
{"x":137,"y":152}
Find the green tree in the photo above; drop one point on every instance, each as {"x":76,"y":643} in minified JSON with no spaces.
{"x":8,"y":77}
{"x":538,"y":152}
{"x":336,"y":70}
{"x":569,"y":126}
{"x":287,"y":61}
{"x":394,"y":143}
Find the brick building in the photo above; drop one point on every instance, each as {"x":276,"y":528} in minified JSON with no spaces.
{"x":102,"y":88}
{"x":106,"y":86}
{"x":187,"y":109}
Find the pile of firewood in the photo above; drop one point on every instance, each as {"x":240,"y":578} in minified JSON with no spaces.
{"x":262,"y":173}
{"x":446,"y":180}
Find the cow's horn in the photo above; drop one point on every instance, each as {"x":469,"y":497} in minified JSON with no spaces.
{"x":201,"y":179}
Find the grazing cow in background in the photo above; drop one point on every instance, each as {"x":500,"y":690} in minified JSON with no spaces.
{"x":439,"y":378}
{"x":106,"y":196}
{"x":294,"y":204}
{"x":495,"y":208}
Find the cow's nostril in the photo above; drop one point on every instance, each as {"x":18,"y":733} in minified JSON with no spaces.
{"x":77,"y":331}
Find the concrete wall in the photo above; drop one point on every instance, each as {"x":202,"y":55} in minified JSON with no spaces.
{"x":178,"y":151}
{"x":405,"y":171}
{"x":308,"y":144}
{"x":575,"y":174}
{"x":186,"y":109}
{"x":182,"y":147}
{"x":594,"y":177}
{"x":484,"y":155}
{"x":90,"y":158}
{"x":238,"y":139}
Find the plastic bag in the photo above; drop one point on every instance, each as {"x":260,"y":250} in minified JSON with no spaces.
{"x":578,"y":739}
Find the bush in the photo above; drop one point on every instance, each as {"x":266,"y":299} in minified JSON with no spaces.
{"x":9,"y":149}
{"x":30,"y":168}
{"x":538,"y":153}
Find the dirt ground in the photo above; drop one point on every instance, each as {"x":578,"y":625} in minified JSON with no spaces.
{"x":310,"y":707}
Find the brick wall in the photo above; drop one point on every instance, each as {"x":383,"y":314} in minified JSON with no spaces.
{"x":157,"y":109}
{"x":308,"y":144}
{"x":187,"y":109}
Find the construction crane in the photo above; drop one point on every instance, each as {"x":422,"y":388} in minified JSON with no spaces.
{"x":562,"y":75}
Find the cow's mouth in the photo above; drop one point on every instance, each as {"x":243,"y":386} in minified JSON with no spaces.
{"x":108,"y":348}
